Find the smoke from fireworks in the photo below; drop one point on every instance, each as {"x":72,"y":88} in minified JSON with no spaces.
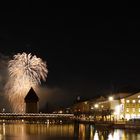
{"x":25,"y":71}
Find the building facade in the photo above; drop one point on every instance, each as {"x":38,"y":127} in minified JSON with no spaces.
{"x":130,"y":106}
{"x":115,"y":107}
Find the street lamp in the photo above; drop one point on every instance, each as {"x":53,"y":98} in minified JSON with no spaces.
{"x":92,"y":108}
{"x":96,"y":105}
{"x":3,"y":110}
{"x":111,"y":98}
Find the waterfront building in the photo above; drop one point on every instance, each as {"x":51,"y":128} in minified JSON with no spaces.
{"x":120,"y":106}
{"x":98,"y":108}
{"x":131,"y":106}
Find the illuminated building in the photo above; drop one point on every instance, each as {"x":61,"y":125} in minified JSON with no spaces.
{"x":31,"y":101}
{"x":99,"y":108}
{"x":116,"y":107}
{"x":131,"y":106}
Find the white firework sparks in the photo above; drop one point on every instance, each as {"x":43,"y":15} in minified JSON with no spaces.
{"x":25,"y":71}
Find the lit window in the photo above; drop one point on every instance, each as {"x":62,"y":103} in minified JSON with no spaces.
{"x":133,"y":109}
{"x":139,"y":96}
{"x":139,"y":101}
{"x":139,"y":109}
{"x":127,"y":101}
{"x":127,"y":110}
{"x":133,"y":101}
{"x":122,"y":101}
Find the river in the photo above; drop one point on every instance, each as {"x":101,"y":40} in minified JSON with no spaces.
{"x":63,"y":132}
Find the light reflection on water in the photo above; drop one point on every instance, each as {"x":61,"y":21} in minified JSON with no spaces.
{"x":63,"y":132}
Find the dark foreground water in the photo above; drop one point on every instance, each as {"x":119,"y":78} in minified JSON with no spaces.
{"x":63,"y":132}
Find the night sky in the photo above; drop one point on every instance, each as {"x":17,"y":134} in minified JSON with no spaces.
{"x":87,"y":55}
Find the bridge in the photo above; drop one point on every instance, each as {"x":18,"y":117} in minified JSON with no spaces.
{"x":35,"y":117}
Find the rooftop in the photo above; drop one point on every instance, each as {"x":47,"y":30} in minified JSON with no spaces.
{"x":31,"y":96}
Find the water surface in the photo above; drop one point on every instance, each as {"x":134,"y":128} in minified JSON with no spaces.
{"x":63,"y":132}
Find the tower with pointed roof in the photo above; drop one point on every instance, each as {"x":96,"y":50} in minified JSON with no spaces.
{"x":31,"y":100}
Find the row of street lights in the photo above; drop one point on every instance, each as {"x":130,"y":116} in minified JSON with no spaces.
{"x":110,"y":98}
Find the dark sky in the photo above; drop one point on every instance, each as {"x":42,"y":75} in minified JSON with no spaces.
{"x":87,"y":54}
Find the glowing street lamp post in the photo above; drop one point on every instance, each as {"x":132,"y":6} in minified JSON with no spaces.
{"x":110,"y":99}
{"x":96,"y":106}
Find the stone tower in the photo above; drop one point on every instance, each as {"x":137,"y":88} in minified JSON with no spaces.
{"x":31,"y":101}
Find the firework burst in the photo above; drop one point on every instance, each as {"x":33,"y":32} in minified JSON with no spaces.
{"x":25,"y":71}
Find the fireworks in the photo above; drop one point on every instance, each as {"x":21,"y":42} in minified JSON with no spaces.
{"x":25,"y":71}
